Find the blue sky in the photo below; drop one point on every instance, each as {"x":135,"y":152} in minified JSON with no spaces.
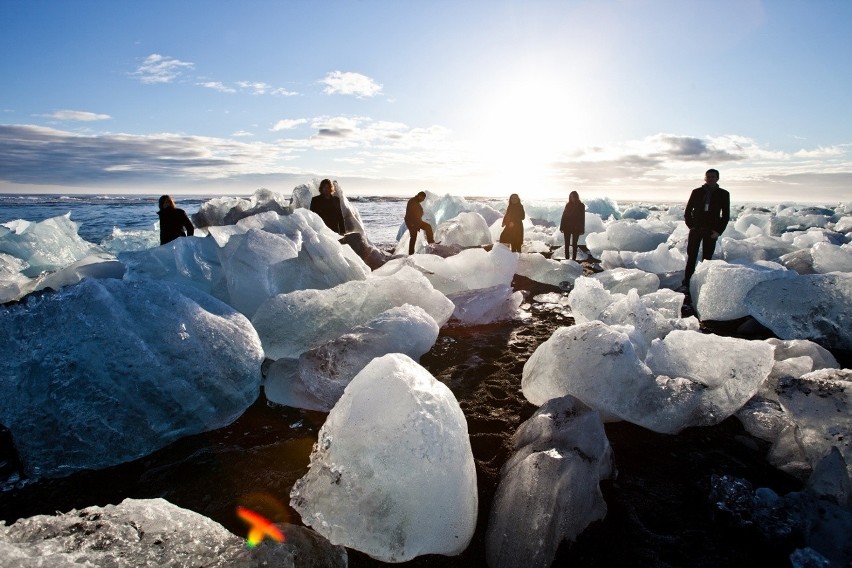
{"x":627,"y":99}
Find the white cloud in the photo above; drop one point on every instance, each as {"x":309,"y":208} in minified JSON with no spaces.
{"x":288,"y":124}
{"x":347,"y":83}
{"x":217,"y":86}
{"x":160,"y":69}
{"x":242,"y":134}
{"x":77,"y":115}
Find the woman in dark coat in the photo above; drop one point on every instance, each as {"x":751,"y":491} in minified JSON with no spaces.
{"x":513,"y":234}
{"x":573,"y":223}
{"x":173,"y":221}
{"x":327,"y":206}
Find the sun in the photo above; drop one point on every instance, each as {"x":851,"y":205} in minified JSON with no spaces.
{"x":527,"y":127}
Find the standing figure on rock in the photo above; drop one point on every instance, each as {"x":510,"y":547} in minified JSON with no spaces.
{"x":173,"y":221}
{"x":707,"y":213}
{"x":513,"y":233}
{"x":327,"y":206}
{"x":573,"y":223}
{"x":414,"y":221}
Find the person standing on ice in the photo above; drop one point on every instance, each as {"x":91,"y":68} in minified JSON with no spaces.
{"x":327,"y":206}
{"x":173,"y":221}
{"x":414,"y":221}
{"x":573,"y":223}
{"x":513,"y":234}
{"x":707,"y":213}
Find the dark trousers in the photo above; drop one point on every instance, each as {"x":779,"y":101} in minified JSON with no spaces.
{"x":572,"y":239}
{"x":413,"y":229}
{"x":698,"y":238}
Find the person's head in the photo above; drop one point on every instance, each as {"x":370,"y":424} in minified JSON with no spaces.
{"x":514,"y":198}
{"x":166,"y":202}
{"x":573,"y":196}
{"x":711,"y":176}
{"x":421,"y":196}
{"x":326,"y":188}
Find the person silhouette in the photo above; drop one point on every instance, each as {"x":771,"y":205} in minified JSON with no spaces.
{"x":513,"y":233}
{"x":327,"y":206}
{"x":573,"y":223}
{"x":174,"y":222}
{"x":414,"y":221}
{"x":707,"y":214}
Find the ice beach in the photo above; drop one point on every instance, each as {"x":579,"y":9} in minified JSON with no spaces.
{"x":159,"y":344}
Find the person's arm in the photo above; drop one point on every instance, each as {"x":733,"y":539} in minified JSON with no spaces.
{"x":340,"y":222}
{"x":563,"y":224}
{"x":522,"y":214}
{"x":187,"y":224}
{"x":688,"y":215}
{"x":725,"y":212}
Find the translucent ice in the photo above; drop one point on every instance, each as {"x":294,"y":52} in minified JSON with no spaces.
{"x":820,"y":404}
{"x":151,"y":532}
{"x":719,"y":289}
{"x":47,"y":245}
{"x":289,"y":324}
{"x":132,"y":367}
{"x":549,"y":489}
{"x":599,"y":365}
{"x":633,"y":235}
{"x":192,"y":261}
{"x":661,"y":260}
{"x":832,"y":258}
{"x":622,"y":280}
{"x":326,"y":370}
{"x":472,"y":269}
{"x":556,"y":273}
{"x":486,"y":305}
{"x":392,"y":472}
{"x":229,"y":210}
{"x":466,"y":229}
{"x":810,"y":306}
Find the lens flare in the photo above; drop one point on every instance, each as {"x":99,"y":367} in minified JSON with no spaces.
{"x":259,"y":527}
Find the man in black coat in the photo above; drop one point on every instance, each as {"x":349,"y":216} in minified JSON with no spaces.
{"x":707,"y":213}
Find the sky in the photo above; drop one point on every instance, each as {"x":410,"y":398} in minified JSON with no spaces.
{"x":631,"y":99}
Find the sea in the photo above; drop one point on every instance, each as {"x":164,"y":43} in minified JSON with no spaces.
{"x":98,"y":215}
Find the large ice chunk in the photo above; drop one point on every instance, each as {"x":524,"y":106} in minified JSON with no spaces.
{"x":810,"y":306}
{"x":192,"y":260}
{"x":151,"y":532}
{"x":229,"y":210}
{"x":486,"y":305}
{"x":820,"y":404}
{"x":326,"y":370}
{"x":471,"y":269}
{"x":635,"y":235}
{"x":677,"y":388}
{"x":556,"y":273}
{"x":549,"y":489}
{"x":47,"y":245}
{"x":832,"y":258}
{"x":392,"y":472}
{"x":289,"y":324}
{"x":128,"y":367}
{"x":719,"y":289}
{"x":622,"y":280}
{"x":466,"y":229}
{"x":662,"y":260}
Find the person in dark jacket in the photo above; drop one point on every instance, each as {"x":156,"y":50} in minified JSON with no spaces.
{"x":573,"y":223}
{"x":327,"y":206}
{"x":414,"y":221}
{"x":707,"y":214}
{"x":513,"y":234}
{"x":173,"y":221}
